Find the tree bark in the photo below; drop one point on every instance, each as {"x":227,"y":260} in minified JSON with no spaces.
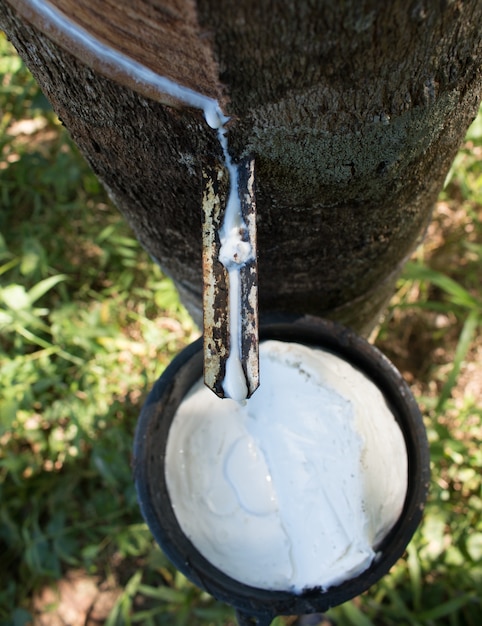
{"x":352,"y":110}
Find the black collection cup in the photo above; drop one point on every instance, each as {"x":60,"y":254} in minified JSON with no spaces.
{"x":254,"y":605}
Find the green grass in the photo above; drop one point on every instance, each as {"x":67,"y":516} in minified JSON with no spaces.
{"x":87,"y":323}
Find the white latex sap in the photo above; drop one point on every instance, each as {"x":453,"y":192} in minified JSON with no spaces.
{"x":296,"y":487}
{"x":234,"y":252}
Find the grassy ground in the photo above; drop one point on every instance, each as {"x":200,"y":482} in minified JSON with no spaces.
{"x":87,"y":323}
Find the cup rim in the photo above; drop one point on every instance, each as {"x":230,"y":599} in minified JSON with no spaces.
{"x":153,"y":496}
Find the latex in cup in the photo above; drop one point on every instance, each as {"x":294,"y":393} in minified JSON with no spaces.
{"x":301,"y":497}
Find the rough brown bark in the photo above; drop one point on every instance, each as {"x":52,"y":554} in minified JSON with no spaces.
{"x":353,"y":111}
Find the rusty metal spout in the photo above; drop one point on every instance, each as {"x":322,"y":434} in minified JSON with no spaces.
{"x":217,"y":317}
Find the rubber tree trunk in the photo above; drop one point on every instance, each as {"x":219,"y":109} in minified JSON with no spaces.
{"x":352,"y":110}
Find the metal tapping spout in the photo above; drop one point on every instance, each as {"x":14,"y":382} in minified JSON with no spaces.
{"x":230,"y":285}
